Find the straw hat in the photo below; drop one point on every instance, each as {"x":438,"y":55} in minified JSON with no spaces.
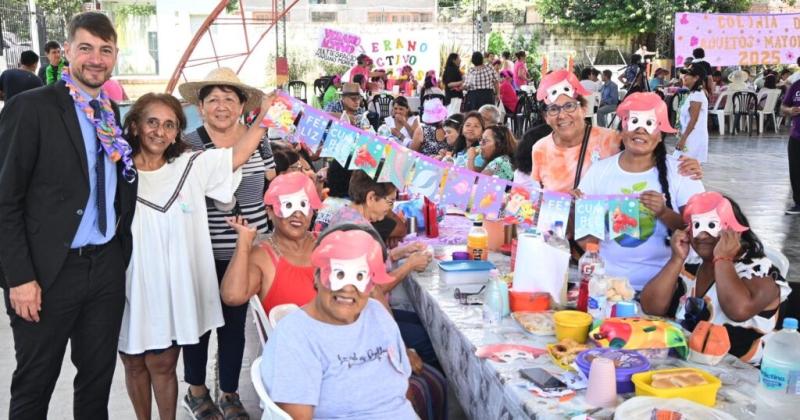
{"x":222,"y":76}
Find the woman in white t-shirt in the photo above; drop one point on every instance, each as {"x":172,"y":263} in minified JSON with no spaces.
{"x":402,"y":123}
{"x":642,"y":168}
{"x":693,"y":140}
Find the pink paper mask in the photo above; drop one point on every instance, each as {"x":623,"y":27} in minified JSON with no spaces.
{"x":711,"y":212}
{"x":354,"y":271}
{"x":557,"y":83}
{"x":644,"y":109}
{"x":287,"y":193}
{"x":708,"y":222}
{"x":350,"y":257}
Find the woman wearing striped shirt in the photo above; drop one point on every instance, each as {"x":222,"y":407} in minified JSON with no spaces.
{"x":222,"y":100}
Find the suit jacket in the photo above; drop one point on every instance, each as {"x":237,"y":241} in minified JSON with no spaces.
{"x":44,"y":186}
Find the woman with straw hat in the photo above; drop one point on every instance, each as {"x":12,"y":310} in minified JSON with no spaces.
{"x":172,"y":295}
{"x":222,"y":99}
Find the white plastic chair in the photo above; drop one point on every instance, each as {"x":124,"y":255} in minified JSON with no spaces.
{"x":591,"y":103}
{"x":278,"y":312}
{"x":271,"y":410}
{"x":770,"y":102}
{"x":777,"y":258}
{"x":263,"y":326}
{"x":722,"y":107}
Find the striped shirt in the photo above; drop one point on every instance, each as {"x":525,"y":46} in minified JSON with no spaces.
{"x":249,"y":199}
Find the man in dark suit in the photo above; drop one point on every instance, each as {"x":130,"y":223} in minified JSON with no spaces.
{"x":65,"y":241}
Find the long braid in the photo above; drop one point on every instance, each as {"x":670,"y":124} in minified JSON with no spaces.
{"x":660,"y":155}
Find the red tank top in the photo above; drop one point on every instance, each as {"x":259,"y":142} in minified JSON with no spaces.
{"x":292,"y":283}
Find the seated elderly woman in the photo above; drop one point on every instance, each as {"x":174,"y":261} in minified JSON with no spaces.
{"x":341,"y":355}
{"x":278,"y":269}
{"x":735,"y":285}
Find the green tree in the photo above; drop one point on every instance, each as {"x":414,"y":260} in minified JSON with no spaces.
{"x":61,"y":8}
{"x":496,"y":43}
{"x":629,"y":17}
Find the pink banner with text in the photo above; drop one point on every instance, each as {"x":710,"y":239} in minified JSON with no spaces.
{"x":738,"y":39}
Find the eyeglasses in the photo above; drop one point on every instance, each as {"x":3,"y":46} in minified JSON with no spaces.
{"x":168,"y":126}
{"x":553,"y":110}
{"x":468,"y":298}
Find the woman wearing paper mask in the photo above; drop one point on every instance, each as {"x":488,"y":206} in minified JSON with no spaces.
{"x":277,"y":269}
{"x":735,"y":285}
{"x":172,"y":294}
{"x":347,"y":348}
{"x":563,"y":157}
{"x":644,"y":168}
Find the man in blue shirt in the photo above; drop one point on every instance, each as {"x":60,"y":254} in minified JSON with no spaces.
{"x":65,"y":214}
{"x":14,"y":81}
{"x":609,"y":98}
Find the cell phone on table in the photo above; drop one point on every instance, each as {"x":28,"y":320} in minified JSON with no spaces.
{"x":543,"y":379}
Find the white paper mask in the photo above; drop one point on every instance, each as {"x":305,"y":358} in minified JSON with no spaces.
{"x":708,"y":222}
{"x":561,"y":88}
{"x":645,"y":119}
{"x":296,"y":201}
{"x":353,"y":271}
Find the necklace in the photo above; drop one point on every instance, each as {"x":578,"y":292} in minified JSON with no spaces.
{"x":105,"y":125}
{"x":274,"y":243}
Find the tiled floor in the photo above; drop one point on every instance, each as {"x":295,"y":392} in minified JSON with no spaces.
{"x":752,"y":170}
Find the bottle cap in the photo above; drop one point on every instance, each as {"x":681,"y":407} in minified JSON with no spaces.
{"x":477,"y":223}
{"x":592,"y":247}
{"x":790,"y":324}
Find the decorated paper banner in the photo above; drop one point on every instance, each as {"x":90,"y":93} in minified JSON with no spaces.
{"x":340,"y":142}
{"x":623,"y":217}
{"x":738,"y":39}
{"x":555,"y":208}
{"x":397,"y":166}
{"x":489,"y":195}
{"x":521,"y":206}
{"x":369,"y":152}
{"x":391,"y":51}
{"x":338,"y":47}
{"x":281,"y":115}
{"x":312,"y":126}
{"x":590,"y":217}
{"x":427,"y":177}
{"x":458,"y":188}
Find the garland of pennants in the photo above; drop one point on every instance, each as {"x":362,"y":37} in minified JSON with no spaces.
{"x":446,"y":184}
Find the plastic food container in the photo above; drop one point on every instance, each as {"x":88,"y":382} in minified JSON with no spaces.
{"x":456,"y":273}
{"x":702,"y":394}
{"x":572,"y":324}
{"x":626,"y":362}
{"x":529,"y":301}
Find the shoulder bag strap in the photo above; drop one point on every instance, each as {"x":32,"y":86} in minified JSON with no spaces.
{"x":582,"y":156}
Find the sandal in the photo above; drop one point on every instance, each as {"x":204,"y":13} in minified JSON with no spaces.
{"x":232,"y":407}
{"x":202,"y":407}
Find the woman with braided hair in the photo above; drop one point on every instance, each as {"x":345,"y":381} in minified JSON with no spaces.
{"x":642,"y":168}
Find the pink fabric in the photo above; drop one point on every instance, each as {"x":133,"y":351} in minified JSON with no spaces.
{"x":509,"y":96}
{"x":114,"y":90}
{"x":520,"y":64}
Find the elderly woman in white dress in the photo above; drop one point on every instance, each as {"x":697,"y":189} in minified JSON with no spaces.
{"x":172,"y":296}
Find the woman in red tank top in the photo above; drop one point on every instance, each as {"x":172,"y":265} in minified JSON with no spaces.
{"x":278,"y":269}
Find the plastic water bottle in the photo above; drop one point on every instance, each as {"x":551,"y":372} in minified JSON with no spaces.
{"x":492,"y":301}
{"x":588,"y":263}
{"x":598,"y":285}
{"x":780,"y":365}
{"x":494,"y":276}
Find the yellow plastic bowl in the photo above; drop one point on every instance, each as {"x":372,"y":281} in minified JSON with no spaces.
{"x":572,"y":324}
{"x":701,"y":394}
